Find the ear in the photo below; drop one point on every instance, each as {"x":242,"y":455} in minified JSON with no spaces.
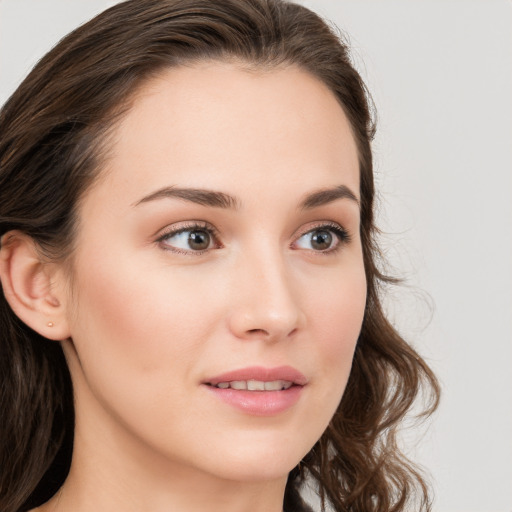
{"x":33,"y":288}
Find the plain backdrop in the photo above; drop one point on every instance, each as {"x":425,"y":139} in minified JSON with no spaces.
{"x":440,"y":73}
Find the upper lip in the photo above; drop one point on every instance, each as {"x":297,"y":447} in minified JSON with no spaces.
{"x":260,"y":373}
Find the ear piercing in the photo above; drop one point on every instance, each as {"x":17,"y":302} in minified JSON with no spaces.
{"x":50,"y":324}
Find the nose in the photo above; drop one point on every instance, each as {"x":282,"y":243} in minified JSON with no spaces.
{"x":265,"y":303}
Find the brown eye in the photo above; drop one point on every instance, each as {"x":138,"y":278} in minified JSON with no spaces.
{"x":321,"y":239}
{"x":199,"y":240}
{"x":325,"y":239}
{"x":189,"y":240}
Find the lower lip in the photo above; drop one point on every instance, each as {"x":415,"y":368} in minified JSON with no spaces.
{"x":259,"y":403}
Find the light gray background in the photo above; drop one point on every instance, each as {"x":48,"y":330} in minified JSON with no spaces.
{"x":441,"y":76}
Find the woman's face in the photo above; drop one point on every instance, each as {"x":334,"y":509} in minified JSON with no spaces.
{"x":219,"y":250}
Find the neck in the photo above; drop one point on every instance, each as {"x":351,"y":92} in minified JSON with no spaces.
{"x":183,"y":494}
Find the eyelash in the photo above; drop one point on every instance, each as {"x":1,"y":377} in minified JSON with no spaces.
{"x":193,"y":226}
{"x":342,"y":236}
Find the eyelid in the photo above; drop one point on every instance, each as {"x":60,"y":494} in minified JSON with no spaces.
{"x":340,"y":232}
{"x":189,"y":225}
{"x":329,"y":224}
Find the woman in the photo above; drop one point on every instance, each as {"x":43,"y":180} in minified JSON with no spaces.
{"x":190,"y":309}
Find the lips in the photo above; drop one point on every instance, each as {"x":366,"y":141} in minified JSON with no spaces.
{"x":260,"y":374}
{"x":257,"y":390}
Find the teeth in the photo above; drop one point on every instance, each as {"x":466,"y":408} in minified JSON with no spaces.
{"x":275,"y":385}
{"x":256,"y":385}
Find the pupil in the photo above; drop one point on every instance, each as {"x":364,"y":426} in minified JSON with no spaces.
{"x":321,"y":240}
{"x":199,"y":240}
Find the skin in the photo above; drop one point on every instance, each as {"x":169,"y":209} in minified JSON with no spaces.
{"x":149,"y":319}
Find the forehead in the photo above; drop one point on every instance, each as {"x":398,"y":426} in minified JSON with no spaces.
{"x":217,"y":125}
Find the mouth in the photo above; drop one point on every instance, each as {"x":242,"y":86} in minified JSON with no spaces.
{"x":259,"y":378}
{"x":259,"y":391}
{"x":254,"y":385}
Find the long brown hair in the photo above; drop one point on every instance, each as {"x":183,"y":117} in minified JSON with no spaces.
{"x":53,"y":138}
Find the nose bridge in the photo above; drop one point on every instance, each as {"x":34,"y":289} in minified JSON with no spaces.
{"x":265,"y":304}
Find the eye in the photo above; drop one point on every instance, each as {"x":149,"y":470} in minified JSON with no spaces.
{"x":325,"y":238}
{"x":189,"y":239}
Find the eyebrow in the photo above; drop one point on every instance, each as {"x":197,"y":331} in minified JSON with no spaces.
{"x":326,"y":196}
{"x":222,"y":200}
{"x":194,"y":195}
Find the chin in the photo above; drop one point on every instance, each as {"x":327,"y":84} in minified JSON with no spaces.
{"x":258,"y":470}
{"x":259,"y":460}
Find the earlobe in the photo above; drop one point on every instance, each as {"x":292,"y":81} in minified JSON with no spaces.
{"x":29,"y":287}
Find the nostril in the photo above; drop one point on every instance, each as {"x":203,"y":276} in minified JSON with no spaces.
{"x":258,"y":331}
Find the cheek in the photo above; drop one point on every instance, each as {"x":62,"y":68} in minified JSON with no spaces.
{"x":140,"y":311}
{"x":337,"y":308}
{"x":133,"y":327}
{"x":336,"y":318}
{"x":341,"y":320}
{"x":137,"y":340}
